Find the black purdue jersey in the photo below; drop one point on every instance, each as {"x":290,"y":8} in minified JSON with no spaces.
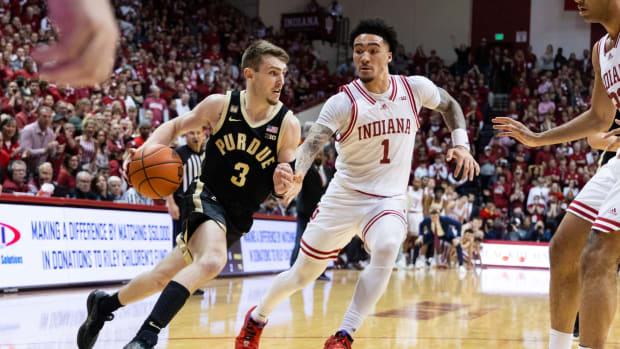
{"x":240,"y":160}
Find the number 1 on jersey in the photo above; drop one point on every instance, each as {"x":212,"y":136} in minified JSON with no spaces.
{"x":386,"y":152}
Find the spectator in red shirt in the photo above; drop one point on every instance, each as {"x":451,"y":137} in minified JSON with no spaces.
{"x":157,"y":105}
{"x":579,"y":155}
{"x":10,"y":100}
{"x":66,"y":177}
{"x":28,"y":70}
{"x":501,"y":193}
{"x":517,"y":197}
{"x":10,"y":133}
{"x":27,"y":115}
{"x":543,"y":155}
{"x":536,"y":209}
{"x":489,"y":212}
{"x":145,"y":132}
{"x":16,"y":179}
{"x":573,"y":174}
{"x":5,"y":158}
{"x":439,"y":170}
{"x":169,"y":90}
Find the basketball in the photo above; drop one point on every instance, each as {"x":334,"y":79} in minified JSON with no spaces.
{"x":155,"y":171}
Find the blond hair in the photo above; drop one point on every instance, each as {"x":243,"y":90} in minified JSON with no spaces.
{"x":253,"y":55}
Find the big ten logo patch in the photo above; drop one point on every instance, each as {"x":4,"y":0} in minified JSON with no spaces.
{"x":8,"y":235}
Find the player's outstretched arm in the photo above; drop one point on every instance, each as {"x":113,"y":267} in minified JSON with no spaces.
{"x":454,"y":118}
{"x":84,"y":54}
{"x":206,"y":113}
{"x":596,"y":119}
{"x":317,"y":137}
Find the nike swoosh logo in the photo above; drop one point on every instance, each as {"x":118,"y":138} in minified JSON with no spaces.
{"x":153,"y":325}
{"x":231,"y":119}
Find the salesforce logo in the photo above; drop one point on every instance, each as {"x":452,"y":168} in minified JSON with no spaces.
{"x":8,"y":235}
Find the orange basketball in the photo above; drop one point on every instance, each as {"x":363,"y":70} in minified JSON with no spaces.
{"x":156,"y":171}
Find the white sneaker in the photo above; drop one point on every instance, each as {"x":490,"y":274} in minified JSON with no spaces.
{"x":462,"y":269}
{"x":419,"y":264}
{"x":401,"y":264}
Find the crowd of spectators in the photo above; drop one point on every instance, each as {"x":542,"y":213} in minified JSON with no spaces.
{"x":68,"y":141}
{"x":521,"y":193}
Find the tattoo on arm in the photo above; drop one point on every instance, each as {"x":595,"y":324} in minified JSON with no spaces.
{"x":450,"y":110}
{"x":317,"y":137}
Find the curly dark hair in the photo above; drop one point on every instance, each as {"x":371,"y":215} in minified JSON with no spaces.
{"x":377,"y":27}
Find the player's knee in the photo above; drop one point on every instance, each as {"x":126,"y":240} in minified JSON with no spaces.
{"x":559,"y":256}
{"x":211,"y":265}
{"x":387,"y":248}
{"x":597,"y":257}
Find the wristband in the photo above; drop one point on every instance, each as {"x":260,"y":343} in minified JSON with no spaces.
{"x":459,"y":137}
{"x":277,"y":196}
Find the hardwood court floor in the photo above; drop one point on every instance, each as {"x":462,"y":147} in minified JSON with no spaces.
{"x":493,"y":308}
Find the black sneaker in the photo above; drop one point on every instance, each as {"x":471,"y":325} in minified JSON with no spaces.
{"x":143,"y":340}
{"x":576,"y":329}
{"x":323,"y":277}
{"x":89,"y":331}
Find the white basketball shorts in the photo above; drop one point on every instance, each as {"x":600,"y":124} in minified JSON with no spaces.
{"x":599,"y":200}
{"x":413,"y":222}
{"x":343,"y":213}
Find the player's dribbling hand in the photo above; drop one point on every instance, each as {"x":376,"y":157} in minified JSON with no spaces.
{"x":84,"y":54}
{"x":126,"y":162}
{"x":466,"y":166}
{"x":282,"y":178}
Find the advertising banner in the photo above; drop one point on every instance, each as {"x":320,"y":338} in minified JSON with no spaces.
{"x":515,"y":255}
{"x":52,"y":245}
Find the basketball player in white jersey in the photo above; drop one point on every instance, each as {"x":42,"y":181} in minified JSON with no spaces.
{"x":593,"y":209}
{"x":375,"y":119}
{"x":415,"y":197}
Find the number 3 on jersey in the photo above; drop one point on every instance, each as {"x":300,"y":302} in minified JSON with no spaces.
{"x":386,"y":152}
{"x":243,"y":169}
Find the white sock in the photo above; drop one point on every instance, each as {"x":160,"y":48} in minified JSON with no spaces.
{"x":302,"y":273}
{"x":560,"y":340}
{"x":580,"y":347}
{"x":384,"y":241}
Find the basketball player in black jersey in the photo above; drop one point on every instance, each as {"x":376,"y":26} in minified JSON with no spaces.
{"x":254,"y":138}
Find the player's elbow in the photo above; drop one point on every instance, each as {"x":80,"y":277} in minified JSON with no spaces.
{"x":593,"y":141}
{"x":601,"y":121}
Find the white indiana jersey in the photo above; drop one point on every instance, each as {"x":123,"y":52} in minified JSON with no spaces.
{"x":376,"y":132}
{"x":610,"y":68}
{"x":414,"y":199}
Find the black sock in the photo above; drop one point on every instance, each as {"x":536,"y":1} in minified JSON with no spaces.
{"x":170,"y":301}
{"x":416,"y":252}
{"x":459,"y":254}
{"x":110,"y":304}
